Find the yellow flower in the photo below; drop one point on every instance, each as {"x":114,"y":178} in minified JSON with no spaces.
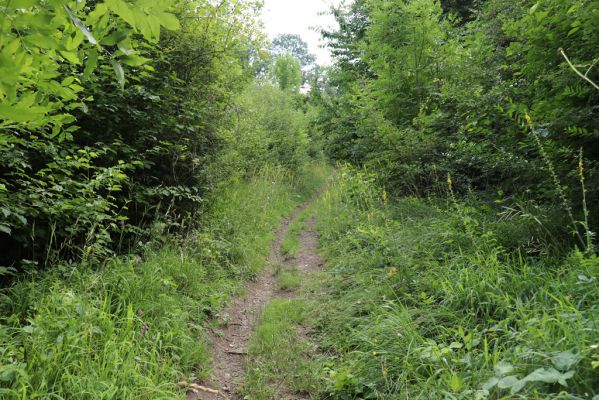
{"x":392,"y":272}
{"x":528,"y":119}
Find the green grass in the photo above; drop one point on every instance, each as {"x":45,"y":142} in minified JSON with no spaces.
{"x":290,"y":245}
{"x":280,"y":359}
{"x":134,"y":327}
{"x":289,"y":278}
{"x":425,"y":301}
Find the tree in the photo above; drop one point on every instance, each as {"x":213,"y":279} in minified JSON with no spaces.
{"x":294,"y":45}
{"x":288,"y":72}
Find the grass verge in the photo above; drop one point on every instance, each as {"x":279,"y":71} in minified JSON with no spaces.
{"x":134,"y":327}
{"x":426,"y":300}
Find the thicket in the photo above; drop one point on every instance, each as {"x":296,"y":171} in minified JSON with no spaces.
{"x":136,"y":327}
{"x":461,"y":250}
{"x":121,"y":117}
{"x":479,"y":90}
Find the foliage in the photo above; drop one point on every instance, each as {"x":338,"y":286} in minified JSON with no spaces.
{"x":423,"y":88}
{"x":110,"y":150}
{"x":270,"y":129}
{"x":293,"y":45}
{"x":288,"y":73}
{"x":278,"y":359}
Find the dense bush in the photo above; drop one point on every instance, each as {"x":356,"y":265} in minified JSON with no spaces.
{"x":421,"y":89}
{"x":119,"y":124}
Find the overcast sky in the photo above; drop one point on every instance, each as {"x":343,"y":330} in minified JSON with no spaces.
{"x":300,"y":17}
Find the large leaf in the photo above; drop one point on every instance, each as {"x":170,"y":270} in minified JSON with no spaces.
{"x":507,"y":382}
{"x":120,"y":73}
{"x":169,"y":21}
{"x":564,"y":360}
{"x":503,"y":368}
{"x":123,"y":10}
{"x":91,"y":64}
{"x":80,"y":25}
{"x":549,"y":375}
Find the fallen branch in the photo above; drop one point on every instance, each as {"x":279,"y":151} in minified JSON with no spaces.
{"x":195,"y":386}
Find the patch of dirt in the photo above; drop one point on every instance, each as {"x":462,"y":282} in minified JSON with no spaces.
{"x":308,"y":259}
{"x":229,"y":342}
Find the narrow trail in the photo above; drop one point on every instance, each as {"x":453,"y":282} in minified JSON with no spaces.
{"x":229,"y":342}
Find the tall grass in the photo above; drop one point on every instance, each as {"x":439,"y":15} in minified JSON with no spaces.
{"x":428,"y":301}
{"x":133,"y":328}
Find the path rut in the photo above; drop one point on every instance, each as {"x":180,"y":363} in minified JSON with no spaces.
{"x":229,"y":342}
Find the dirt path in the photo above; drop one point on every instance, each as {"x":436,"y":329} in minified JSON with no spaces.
{"x":229,"y":342}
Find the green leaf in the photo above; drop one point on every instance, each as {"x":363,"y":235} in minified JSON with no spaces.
{"x":573,"y":31}
{"x":71,"y":57}
{"x":120,"y":73}
{"x":17,"y":114}
{"x":518,"y":386}
{"x":80,"y":25}
{"x":123,"y":10}
{"x":564,"y":360}
{"x":549,"y":375}
{"x":491,"y":383}
{"x":41,"y":41}
{"x":5,"y":229}
{"x":134,"y":60}
{"x":533,"y":8}
{"x":169,"y":21}
{"x":91,"y":64}
{"x":15,"y":4}
{"x":507,"y":382}
{"x":503,"y":368}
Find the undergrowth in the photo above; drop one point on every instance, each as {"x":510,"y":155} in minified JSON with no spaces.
{"x":134,"y":327}
{"x":427,"y":300}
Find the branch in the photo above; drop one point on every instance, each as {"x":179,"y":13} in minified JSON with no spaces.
{"x":563,"y":53}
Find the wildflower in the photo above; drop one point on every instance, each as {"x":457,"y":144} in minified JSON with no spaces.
{"x":528,"y":119}
{"x":392,"y":272}
{"x":580,"y":166}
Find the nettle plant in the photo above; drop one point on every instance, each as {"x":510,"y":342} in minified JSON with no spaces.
{"x":51,"y":189}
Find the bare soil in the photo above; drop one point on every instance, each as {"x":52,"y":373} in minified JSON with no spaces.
{"x":229,"y":342}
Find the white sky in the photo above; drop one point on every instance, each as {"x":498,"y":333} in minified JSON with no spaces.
{"x":300,"y":17}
